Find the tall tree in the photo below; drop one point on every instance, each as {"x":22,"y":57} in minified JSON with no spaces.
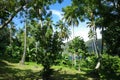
{"x":78,"y":47}
{"x":85,"y":9}
{"x":109,"y":11}
{"x":71,"y":18}
{"x":49,"y":46}
{"x":64,"y":29}
{"x":24,"y":51}
{"x":12,"y":8}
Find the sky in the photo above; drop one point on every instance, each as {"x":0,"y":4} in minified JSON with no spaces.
{"x":81,"y":30}
{"x":56,"y":9}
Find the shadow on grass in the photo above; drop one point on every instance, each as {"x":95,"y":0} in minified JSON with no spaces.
{"x":67,"y":76}
{"x":70,"y":77}
{"x":101,"y":75}
{"x":91,"y":73}
{"x":9,"y":73}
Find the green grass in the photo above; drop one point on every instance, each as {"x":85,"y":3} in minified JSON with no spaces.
{"x":32,"y":71}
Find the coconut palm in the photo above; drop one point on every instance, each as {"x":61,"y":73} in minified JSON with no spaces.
{"x":64,"y":31}
{"x":71,"y":18}
{"x":93,"y":35}
{"x":24,"y":52}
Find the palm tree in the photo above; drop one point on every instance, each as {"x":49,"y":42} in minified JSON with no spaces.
{"x":93,"y":35}
{"x":64,"y":31}
{"x":71,"y":18}
{"x":24,"y":52}
{"x":92,"y":26}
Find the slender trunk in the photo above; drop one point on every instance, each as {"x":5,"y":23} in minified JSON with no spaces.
{"x":36,"y":46}
{"x":97,"y":51}
{"x":79,"y":65}
{"x":102,"y":46}
{"x":10,"y":36}
{"x":95,"y":48}
{"x":74,"y":59}
{"x":10,"y":45}
{"x":93,"y":45}
{"x":74,"y":56}
{"x":94,"y":41}
{"x":24,"y":52}
{"x":73,"y":31}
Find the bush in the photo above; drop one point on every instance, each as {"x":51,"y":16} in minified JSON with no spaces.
{"x":110,"y":68}
{"x":90,"y":62}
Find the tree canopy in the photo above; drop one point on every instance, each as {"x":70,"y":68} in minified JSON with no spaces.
{"x":41,"y":40}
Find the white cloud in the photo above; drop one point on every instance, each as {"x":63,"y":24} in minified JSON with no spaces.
{"x":83,"y":32}
{"x":57,"y":13}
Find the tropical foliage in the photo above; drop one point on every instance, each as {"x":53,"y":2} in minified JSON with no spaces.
{"x":41,"y":40}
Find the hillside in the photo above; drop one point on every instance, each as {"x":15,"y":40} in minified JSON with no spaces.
{"x":89,"y":44}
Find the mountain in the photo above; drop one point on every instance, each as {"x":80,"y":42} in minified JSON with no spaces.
{"x":89,"y":44}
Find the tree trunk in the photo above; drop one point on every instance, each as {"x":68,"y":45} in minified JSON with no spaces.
{"x":74,"y":59}
{"x":73,"y":31}
{"x":36,"y":46}
{"x":10,"y":45}
{"x":79,"y":65}
{"x":10,"y":36}
{"x":102,"y":46}
{"x":95,"y":41}
{"x":97,"y":50}
{"x":93,"y":46}
{"x":24,"y":52}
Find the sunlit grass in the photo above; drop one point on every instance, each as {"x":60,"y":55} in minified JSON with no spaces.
{"x":65,"y":70}
{"x":27,"y":66}
{"x":32,"y":70}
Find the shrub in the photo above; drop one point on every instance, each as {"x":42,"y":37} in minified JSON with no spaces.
{"x":110,"y":67}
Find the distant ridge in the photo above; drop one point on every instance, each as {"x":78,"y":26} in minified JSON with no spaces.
{"x":88,"y":43}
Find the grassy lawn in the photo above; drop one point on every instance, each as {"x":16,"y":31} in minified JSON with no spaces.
{"x":32,"y":71}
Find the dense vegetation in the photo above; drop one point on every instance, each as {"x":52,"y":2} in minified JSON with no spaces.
{"x":41,"y":40}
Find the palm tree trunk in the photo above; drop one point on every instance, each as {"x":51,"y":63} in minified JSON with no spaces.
{"x":102,"y":46}
{"x":36,"y":46}
{"x":79,"y":65}
{"x":93,"y":46}
{"x":10,"y":36}
{"x":73,"y":31}
{"x":10,"y":45}
{"x":73,"y":53}
{"x":24,"y":52}
{"x":95,"y":41}
{"x":97,"y":50}
{"x":74,"y":59}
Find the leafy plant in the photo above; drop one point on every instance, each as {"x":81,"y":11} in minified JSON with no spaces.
{"x":49,"y":48}
{"x":110,"y":67}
